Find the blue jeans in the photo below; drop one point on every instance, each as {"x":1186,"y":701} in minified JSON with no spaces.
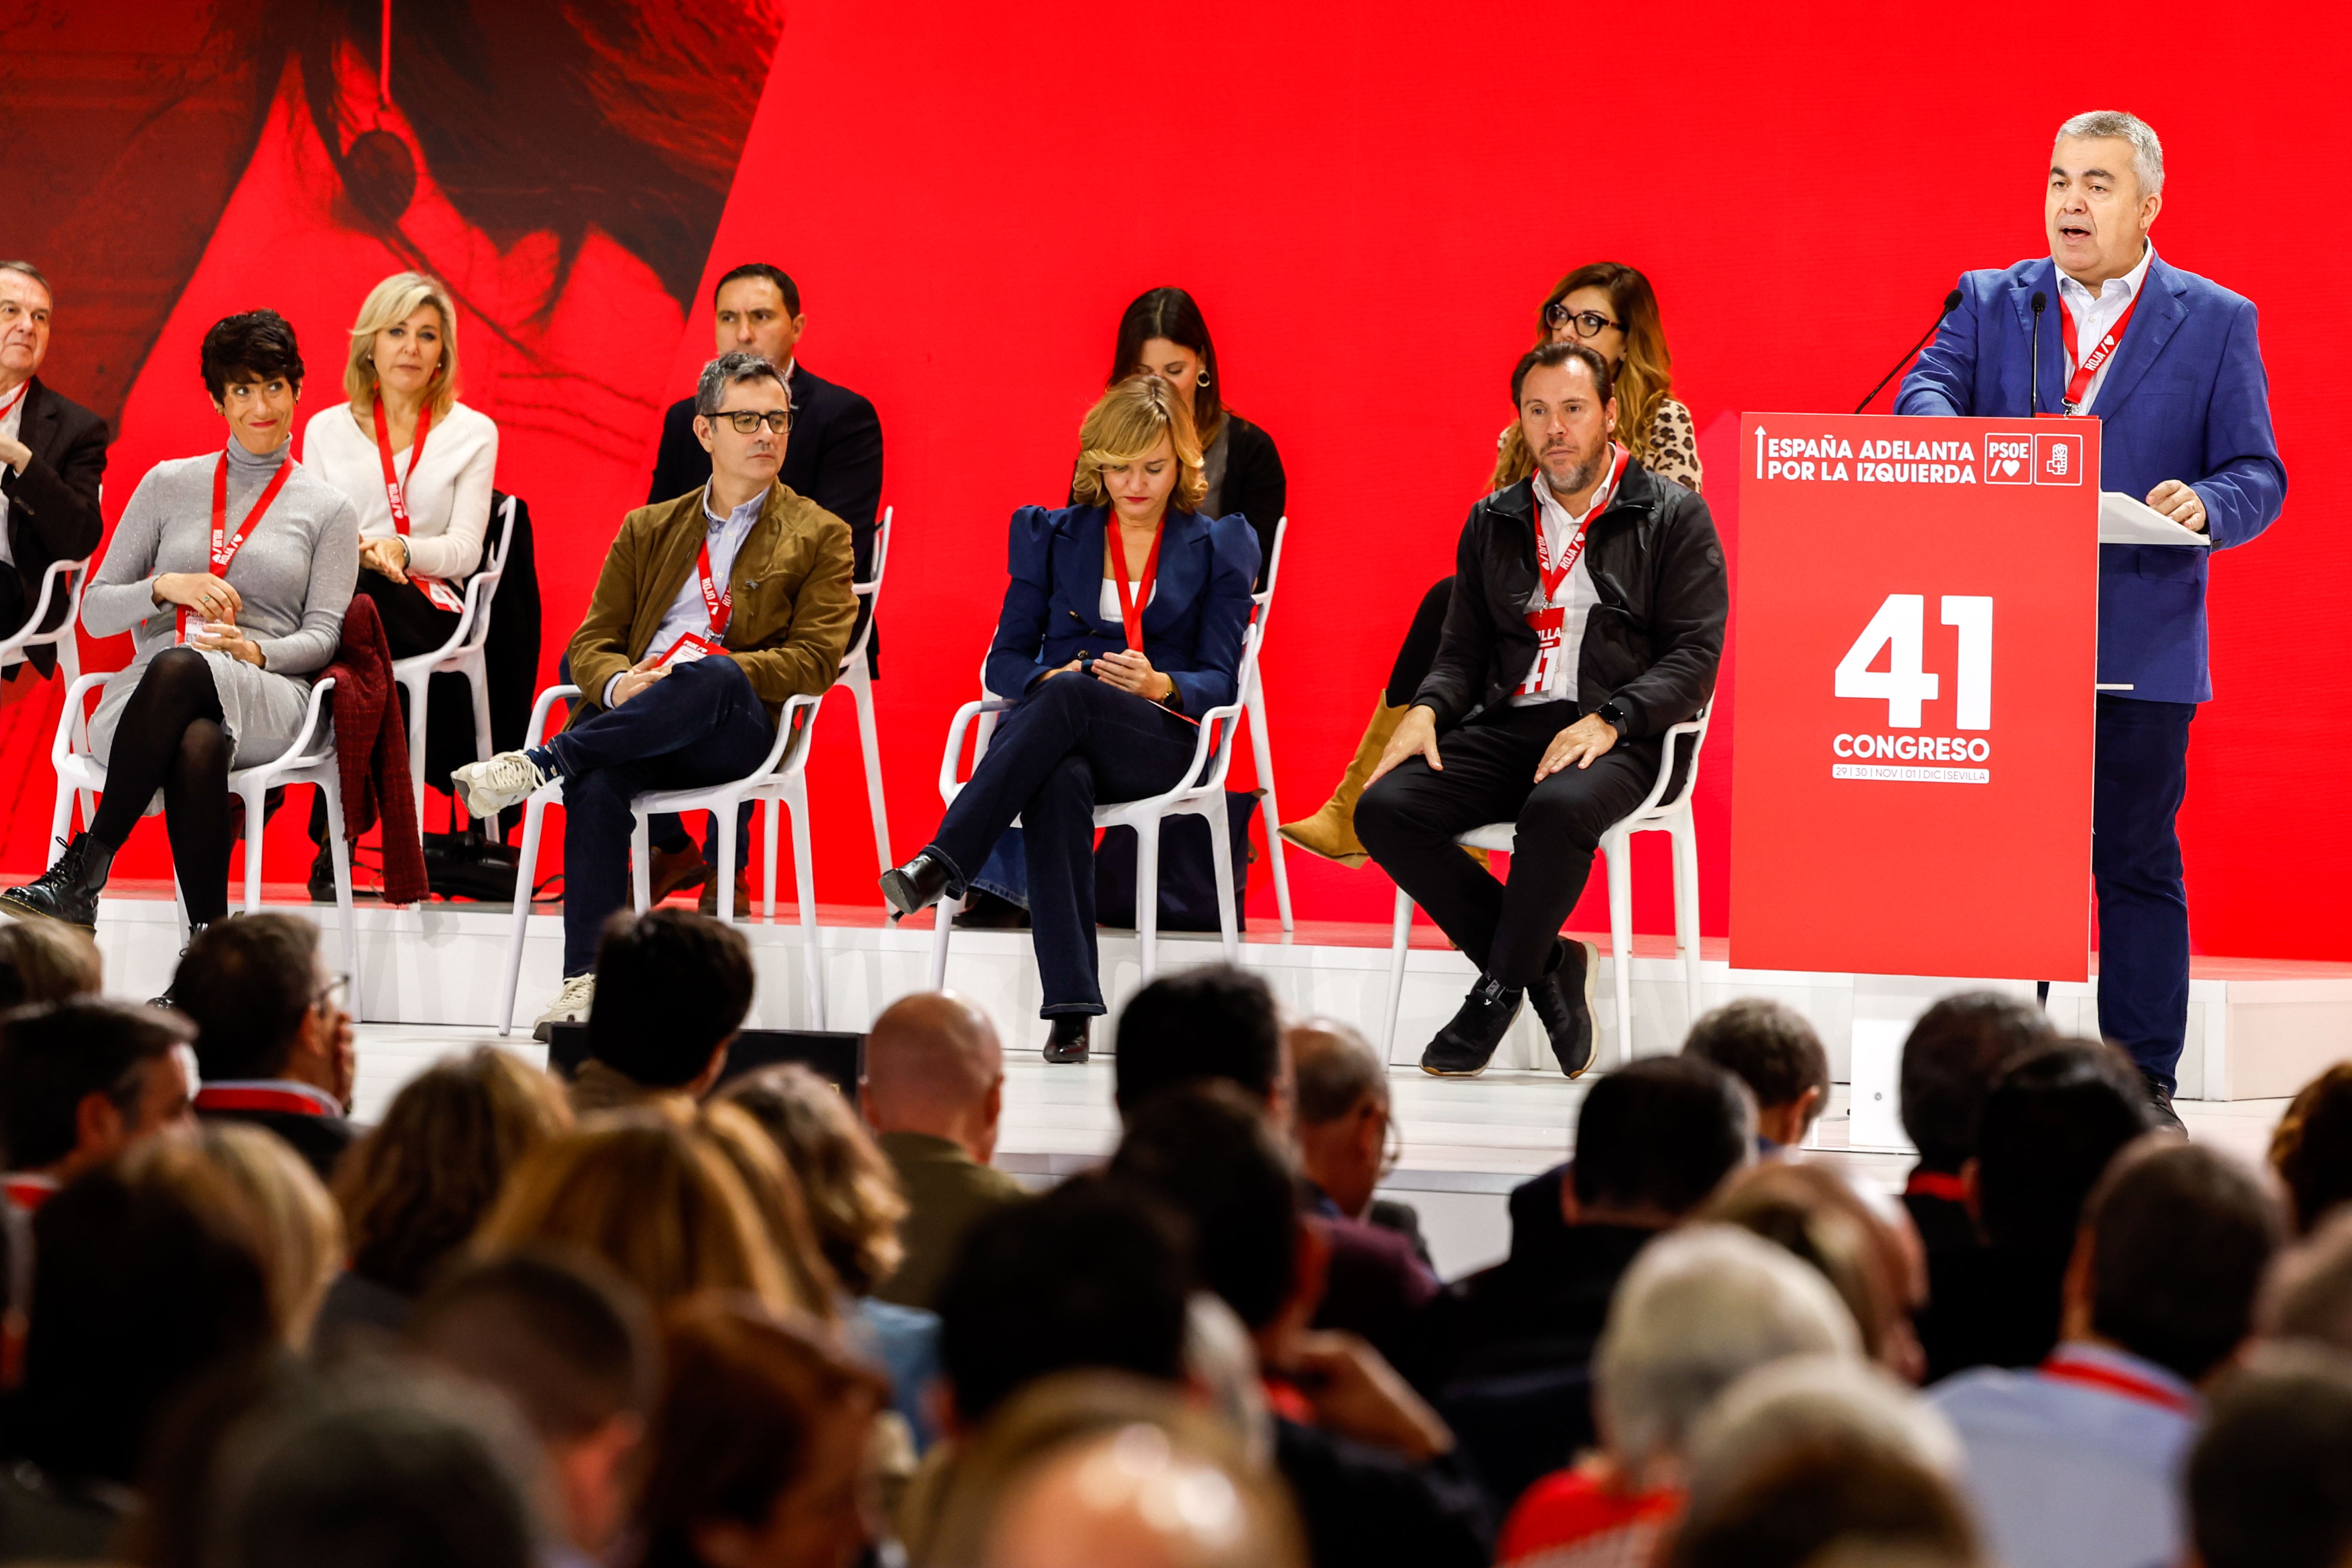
{"x":1071,"y":742}
{"x":2140,"y":778}
{"x":701,"y":725}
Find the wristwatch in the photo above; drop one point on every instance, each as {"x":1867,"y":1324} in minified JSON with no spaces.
{"x":1610,"y":713}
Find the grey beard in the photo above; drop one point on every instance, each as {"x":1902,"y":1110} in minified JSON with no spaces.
{"x":1578,"y":478}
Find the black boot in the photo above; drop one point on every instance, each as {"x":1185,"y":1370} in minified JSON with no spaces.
{"x":196,"y":930}
{"x":322,"y":875}
{"x":917,"y":885}
{"x":67,"y":890}
{"x":2160,"y":1099}
{"x":1563,"y":1000}
{"x":1464,"y":1046}
{"x":1068,"y":1041}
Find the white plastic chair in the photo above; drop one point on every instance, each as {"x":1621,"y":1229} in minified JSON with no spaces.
{"x":1262,"y":745}
{"x":1200,"y":792}
{"x":461,"y":654}
{"x":1654,"y":814}
{"x":779,"y":781}
{"x":73,"y":574}
{"x":854,"y":676}
{"x":311,"y":760}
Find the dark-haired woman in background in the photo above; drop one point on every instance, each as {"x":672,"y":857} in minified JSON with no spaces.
{"x":233,"y":568}
{"x":1611,"y":309}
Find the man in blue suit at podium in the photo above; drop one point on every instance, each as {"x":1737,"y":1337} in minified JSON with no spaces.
{"x":2170,"y":365}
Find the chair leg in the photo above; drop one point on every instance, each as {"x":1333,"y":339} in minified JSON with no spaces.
{"x":62,"y":821}
{"x":416,"y":690}
{"x":723,"y":819}
{"x":805,"y":887}
{"x":861,"y":694}
{"x":1683,"y":836}
{"x":1262,"y":749}
{"x":1619,"y":848}
{"x":1221,"y":860}
{"x":256,"y":801}
{"x":1400,"y":943}
{"x":1147,"y":896}
{"x":641,"y":863}
{"x":769,"y":807}
{"x":331,"y":793}
{"x":479,"y":681}
{"x":534,"y":812}
{"x":943,"y":915}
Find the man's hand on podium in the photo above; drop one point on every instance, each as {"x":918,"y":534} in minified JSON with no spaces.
{"x":2178,"y":502}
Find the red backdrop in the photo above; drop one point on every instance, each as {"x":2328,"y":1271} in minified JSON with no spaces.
{"x":1367,"y":201}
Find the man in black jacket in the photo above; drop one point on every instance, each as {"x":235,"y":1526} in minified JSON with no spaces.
{"x":273,"y":1033}
{"x":1587,"y":618}
{"x":52,"y":455}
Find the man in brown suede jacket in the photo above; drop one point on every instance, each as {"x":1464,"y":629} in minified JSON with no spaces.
{"x":712,"y":609}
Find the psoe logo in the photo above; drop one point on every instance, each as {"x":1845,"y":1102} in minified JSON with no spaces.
{"x":2008,"y":458}
{"x":2057,"y":459}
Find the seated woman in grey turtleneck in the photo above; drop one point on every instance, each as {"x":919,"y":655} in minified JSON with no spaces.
{"x":233,"y":568}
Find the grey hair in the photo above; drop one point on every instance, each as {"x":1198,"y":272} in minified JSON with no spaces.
{"x":1700,"y":1308}
{"x":1333,"y":1081}
{"x":732,"y":369}
{"x":2147,"y":153}
{"x":1816,"y":1399}
{"x":31,"y":271}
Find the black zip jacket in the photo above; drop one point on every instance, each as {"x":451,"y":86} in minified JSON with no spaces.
{"x":1651,"y":645}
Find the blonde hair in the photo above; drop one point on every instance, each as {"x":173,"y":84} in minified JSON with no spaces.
{"x":852,"y":1193}
{"x":42,"y":961}
{"x":1126,"y":423}
{"x":300,"y":1229}
{"x":388,"y":304}
{"x":775,"y":1194}
{"x":1645,"y":378}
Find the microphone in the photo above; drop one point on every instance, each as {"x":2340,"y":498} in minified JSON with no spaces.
{"x":2041,"y":303}
{"x":1951,"y":303}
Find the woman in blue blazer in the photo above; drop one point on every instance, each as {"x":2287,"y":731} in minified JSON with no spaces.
{"x":1099,"y":718}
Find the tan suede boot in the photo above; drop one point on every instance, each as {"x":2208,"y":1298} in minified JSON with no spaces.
{"x":1331,"y":832}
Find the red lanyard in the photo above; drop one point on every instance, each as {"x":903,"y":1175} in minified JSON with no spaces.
{"x":225,"y":545}
{"x":1133,"y":596}
{"x":10,"y":406}
{"x":258,"y":1098}
{"x":1553,"y":576}
{"x":396,"y":488}
{"x":1936,"y":1185}
{"x":29,"y":1193}
{"x":720,"y":607}
{"x":2091,"y":1374}
{"x":2078,"y":386}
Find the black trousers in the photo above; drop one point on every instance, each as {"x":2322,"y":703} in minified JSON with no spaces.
{"x":1408,"y":820}
{"x":2140,"y":778}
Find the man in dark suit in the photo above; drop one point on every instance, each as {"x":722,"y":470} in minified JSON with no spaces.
{"x":273,"y":1033}
{"x":2172,"y":365}
{"x":52,"y":455}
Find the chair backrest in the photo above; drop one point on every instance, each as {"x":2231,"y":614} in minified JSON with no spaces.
{"x":1265,"y":596}
{"x":870,"y":591}
{"x":484,"y":588}
{"x":72,"y":574}
{"x":1659,"y":802}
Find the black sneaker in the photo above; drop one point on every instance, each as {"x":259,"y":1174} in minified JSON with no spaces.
{"x":1467,"y":1043}
{"x":1563,"y":1000}
{"x":68,"y":891}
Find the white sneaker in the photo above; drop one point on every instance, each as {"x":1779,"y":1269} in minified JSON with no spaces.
{"x":489,"y":788}
{"x":571,"y":1005}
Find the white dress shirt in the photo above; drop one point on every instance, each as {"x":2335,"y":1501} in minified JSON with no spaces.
{"x":2094,"y":314}
{"x":10,"y":423}
{"x":687,"y":613}
{"x":1577,"y":594}
{"x":448,"y":496}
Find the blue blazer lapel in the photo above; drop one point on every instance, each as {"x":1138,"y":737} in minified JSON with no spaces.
{"x":2042,"y":275}
{"x":1183,"y":571}
{"x":2157,"y":317}
{"x":1078,"y":567}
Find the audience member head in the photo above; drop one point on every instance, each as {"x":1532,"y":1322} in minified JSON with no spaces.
{"x":375,"y":1468}
{"x":743,"y":417}
{"x":152,"y":1272}
{"x":405,"y":340}
{"x":651,"y":1196}
{"x":1696,"y":1312}
{"x":1949,"y":1062}
{"x":1088,"y":1275}
{"x":2269,"y":1482}
{"x":2053,"y":1120}
{"x":83,"y":1080}
{"x":1655,"y":1138}
{"x":24,"y":322}
{"x":2311,"y":1149}
{"x":851,"y":1193}
{"x":673,"y":988}
{"x":2175,"y":1240}
{"x":758,"y":1445}
{"x":264,"y":1005}
{"x":933,"y":1065}
{"x":1877,"y":1269}
{"x":418,"y":1184}
{"x":301,"y":1231}
{"x":1138,"y":452}
{"x":1811,"y":1452}
{"x":2308,"y":1295}
{"x":45,"y":960}
{"x":1163,"y":334}
{"x":1090,"y":1469}
{"x":1770,"y":1048}
{"x":571,"y":1344}
{"x":1213,"y":1022}
{"x":756,"y":309}
{"x":1206,"y":1151}
{"x":1342,"y":1110}
{"x":253,"y":369}
{"x":775,"y":1193}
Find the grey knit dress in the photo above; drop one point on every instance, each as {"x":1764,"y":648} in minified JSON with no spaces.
{"x":294,"y":574}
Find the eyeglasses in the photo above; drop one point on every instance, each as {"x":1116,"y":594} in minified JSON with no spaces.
{"x":1588,"y":323}
{"x":334,"y":995}
{"x":747,"y":420}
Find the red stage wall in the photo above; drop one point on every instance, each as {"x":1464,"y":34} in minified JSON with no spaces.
{"x":1367,"y":201}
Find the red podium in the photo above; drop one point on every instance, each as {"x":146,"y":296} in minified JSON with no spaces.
{"x":1917,"y":637}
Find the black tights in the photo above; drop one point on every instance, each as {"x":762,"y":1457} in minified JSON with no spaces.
{"x":1420,"y":649}
{"x":170,"y":739}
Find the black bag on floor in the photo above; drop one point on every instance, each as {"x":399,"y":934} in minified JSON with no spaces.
{"x":466,"y":864}
{"x":1188,"y":870}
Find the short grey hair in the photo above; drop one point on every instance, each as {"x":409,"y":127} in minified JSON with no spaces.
{"x":1333,"y":1078}
{"x":732,"y":369}
{"x":1817,"y":1399}
{"x":1701,"y":1308}
{"x":2147,"y":153}
{"x":31,"y":271}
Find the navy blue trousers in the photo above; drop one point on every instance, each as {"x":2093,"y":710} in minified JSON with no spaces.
{"x":1073,"y":742}
{"x":701,"y":725}
{"x":2141,"y":777}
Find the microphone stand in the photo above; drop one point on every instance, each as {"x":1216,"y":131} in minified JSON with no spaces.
{"x":1951,"y":303}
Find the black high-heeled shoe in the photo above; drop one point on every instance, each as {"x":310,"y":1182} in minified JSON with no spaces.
{"x":1068,"y":1041}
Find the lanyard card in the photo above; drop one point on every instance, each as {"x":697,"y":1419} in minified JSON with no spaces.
{"x":689,"y":647}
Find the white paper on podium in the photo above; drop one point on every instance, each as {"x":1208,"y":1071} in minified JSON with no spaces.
{"x":2123,"y":521}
